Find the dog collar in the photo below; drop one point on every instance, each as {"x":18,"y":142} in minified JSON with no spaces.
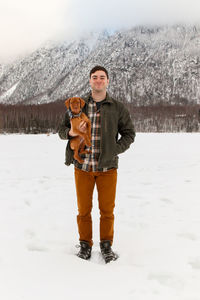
{"x":72,"y":116}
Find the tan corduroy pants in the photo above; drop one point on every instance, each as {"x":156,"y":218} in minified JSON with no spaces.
{"x":106,"y":188}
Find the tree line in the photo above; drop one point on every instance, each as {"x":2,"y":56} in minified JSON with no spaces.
{"x":21,"y":118}
{"x":46,"y":118}
{"x":166,"y":118}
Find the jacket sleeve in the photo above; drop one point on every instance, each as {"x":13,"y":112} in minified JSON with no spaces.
{"x":64,"y":128}
{"x":126,"y":130}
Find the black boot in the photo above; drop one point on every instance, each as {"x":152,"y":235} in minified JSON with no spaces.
{"x":107,"y":252}
{"x":85,"y":250}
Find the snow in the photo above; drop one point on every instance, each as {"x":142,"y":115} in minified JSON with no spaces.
{"x":9,"y":92}
{"x":156,"y":230}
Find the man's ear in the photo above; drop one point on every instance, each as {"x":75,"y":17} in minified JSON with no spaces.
{"x":67,"y":103}
{"x":82,"y":102}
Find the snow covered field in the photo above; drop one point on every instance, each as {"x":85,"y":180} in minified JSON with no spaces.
{"x":157,"y":228}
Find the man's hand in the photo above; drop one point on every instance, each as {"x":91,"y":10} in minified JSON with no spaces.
{"x":82,"y":127}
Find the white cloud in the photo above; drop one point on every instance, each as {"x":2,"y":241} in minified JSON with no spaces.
{"x":124,"y":13}
{"x":24,"y":25}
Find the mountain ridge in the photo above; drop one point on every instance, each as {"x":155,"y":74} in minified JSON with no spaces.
{"x":147,"y":65}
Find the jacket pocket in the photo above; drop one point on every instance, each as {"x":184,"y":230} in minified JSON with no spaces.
{"x":117,"y":149}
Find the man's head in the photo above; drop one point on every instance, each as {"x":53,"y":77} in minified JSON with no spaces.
{"x":99,"y":68}
{"x":99,"y":79}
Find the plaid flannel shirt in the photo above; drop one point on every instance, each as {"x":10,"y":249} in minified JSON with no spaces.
{"x":91,"y":159}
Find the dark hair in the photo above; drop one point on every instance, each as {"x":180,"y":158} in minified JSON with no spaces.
{"x":98,"y":68}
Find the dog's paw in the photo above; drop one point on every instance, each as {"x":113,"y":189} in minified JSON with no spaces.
{"x":78,"y":158}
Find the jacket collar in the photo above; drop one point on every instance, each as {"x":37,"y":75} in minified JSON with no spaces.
{"x":107,"y":100}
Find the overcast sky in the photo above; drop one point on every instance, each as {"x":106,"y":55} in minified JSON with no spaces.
{"x":26,"y":24}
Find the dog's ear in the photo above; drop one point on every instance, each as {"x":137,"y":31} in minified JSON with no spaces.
{"x":67,"y":103}
{"x":82,"y":102}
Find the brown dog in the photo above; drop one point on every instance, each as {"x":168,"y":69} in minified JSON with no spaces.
{"x":74,"y":107}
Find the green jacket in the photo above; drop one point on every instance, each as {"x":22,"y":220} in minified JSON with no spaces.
{"x":115,"y":120}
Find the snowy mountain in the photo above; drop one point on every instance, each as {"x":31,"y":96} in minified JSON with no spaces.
{"x":146,"y":66}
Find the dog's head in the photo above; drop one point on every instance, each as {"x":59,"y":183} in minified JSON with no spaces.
{"x":75,"y":103}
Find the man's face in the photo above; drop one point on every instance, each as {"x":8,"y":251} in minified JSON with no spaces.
{"x":99,"y":81}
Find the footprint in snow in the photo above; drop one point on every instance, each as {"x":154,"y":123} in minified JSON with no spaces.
{"x":36,"y":246}
{"x":195,"y":263}
{"x":188,"y":236}
{"x":166,"y":279}
{"x":166,"y":200}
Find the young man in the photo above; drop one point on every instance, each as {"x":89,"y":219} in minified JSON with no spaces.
{"x":108,"y":119}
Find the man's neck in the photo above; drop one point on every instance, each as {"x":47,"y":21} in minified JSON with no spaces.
{"x":97,"y":97}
